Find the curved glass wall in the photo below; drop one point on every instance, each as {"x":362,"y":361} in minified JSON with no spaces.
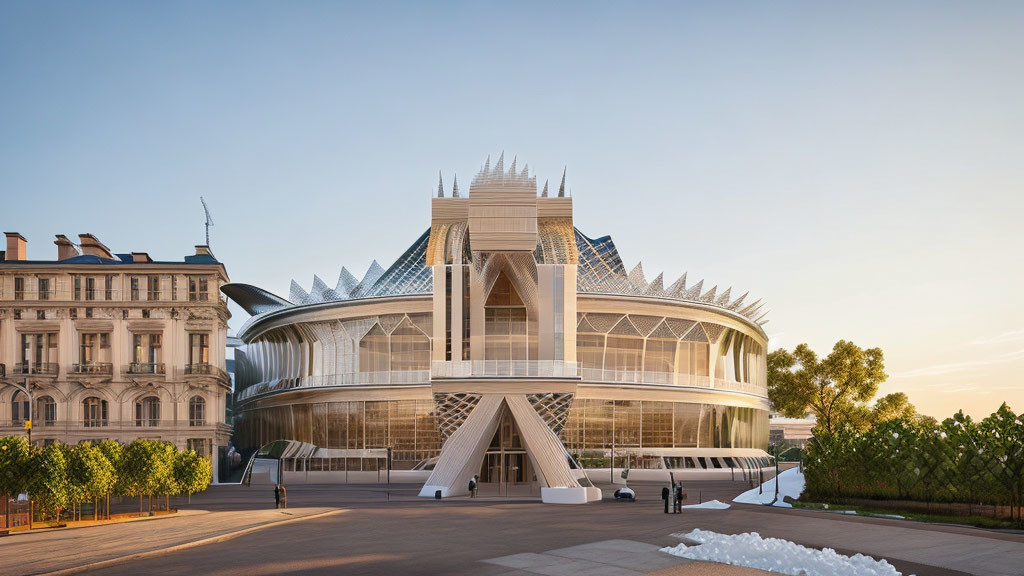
{"x":597,"y":424}
{"x":409,"y":427}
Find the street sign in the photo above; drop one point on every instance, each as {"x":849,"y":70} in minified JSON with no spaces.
{"x":28,"y":424}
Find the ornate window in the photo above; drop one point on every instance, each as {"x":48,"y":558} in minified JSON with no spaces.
{"x":46,"y":411}
{"x":94,"y":412}
{"x":147,"y":412}
{"x":199,"y":348}
{"x":19,"y":408}
{"x":197,"y":411}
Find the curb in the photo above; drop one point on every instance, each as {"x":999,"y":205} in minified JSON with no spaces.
{"x":184,"y":546}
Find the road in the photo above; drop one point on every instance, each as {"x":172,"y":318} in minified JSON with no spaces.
{"x":392,"y":532}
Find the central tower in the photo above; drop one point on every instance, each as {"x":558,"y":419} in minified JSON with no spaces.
{"x":504,"y":301}
{"x":504,"y":266}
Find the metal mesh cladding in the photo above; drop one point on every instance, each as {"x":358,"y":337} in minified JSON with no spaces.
{"x":552,"y":408}
{"x":452,"y":411}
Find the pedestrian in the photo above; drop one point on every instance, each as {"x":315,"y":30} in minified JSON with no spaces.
{"x":284,"y":497}
{"x":679,"y":497}
{"x":472,"y":487}
{"x":666,"y":493}
{"x":476,"y":485}
{"x":277,"y":495}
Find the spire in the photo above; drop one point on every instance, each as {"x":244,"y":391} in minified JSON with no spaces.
{"x":512,"y":169}
{"x":561,"y":187}
{"x":544,"y":194}
{"x":440,"y":185}
{"x":499,"y":168}
{"x":487,"y":165}
{"x":526,"y":171}
{"x":455,"y":187}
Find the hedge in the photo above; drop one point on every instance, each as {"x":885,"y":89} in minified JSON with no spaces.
{"x":958,"y":460}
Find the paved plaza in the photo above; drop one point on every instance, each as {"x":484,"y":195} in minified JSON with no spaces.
{"x":376,"y":529}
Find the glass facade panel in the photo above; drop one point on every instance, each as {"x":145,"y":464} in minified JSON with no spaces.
{"x":650,"y":424}
{"x":505,"y":323}
{"x":373,"y":351}
{"x":660,"y":356}
{"x":408,"y":427}
{"x":624,"y":353}
{"x":410,"y":348}
{"x":590,"y":350}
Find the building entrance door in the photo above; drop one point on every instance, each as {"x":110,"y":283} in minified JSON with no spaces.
{"x":505,"y":470}
{"x":505,"y":474}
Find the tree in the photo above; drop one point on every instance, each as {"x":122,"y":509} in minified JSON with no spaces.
{"x":17,"y":468}
{"x":893,"y":406}
{"x":192,"y":472}
{"x":834,"y":388}
{"x":50,"y":486}
{"x":90,"y":469}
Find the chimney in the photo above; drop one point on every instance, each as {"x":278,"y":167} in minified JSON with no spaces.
{"x":17,"y":247}
{"x":92,"y":246}
{"x":140,"y":258}
{"x":65,"y":248}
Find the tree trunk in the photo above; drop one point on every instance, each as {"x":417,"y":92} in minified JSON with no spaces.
{"x":140,"y":504}
{"x":7,"y":511}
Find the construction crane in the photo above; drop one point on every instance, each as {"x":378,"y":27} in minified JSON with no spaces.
{"x":209,"y":220}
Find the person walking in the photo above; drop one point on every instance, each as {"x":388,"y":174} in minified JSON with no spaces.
{"x":679,"y":497}
{"x":472,"y":487}
{"x":666,"y":494}
{"x":277,"y":495}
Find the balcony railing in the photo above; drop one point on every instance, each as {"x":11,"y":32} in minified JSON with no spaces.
{"x":93,"y":368}
{"x":205,"y":370}
{"x":145,"y":368}
{"x":747,"y":387}
{"x":669,"y":379}
{"x":37,"y":368}
{"x":504,"y":368}
{"x":393,"y":377}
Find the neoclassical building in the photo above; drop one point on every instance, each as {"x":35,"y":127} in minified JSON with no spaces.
{"x":96,"y":345}
{"x":503,"y":343}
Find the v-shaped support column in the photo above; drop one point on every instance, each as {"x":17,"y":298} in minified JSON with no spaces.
{"x":461,"y":455}
{"x":464,"y":451}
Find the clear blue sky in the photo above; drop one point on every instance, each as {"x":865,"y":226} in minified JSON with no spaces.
{"x":858,"y":166}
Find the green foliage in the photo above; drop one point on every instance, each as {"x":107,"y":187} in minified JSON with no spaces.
{"x":147,"y":467}
{"x":58,"y":476}
{"x":905,"y":458}
{"x":50,"y":486}
{"x":192,"y":472}
{"x":91,"y":471}
{"x":114,"y":451}
{"x":892,"y":407}
{"x":17,"y":465}
{"x":834,"y":388}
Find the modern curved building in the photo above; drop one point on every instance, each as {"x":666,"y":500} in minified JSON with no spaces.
{"x":503,"y":343}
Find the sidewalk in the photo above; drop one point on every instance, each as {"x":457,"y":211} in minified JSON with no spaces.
{"x":34,"y":553}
